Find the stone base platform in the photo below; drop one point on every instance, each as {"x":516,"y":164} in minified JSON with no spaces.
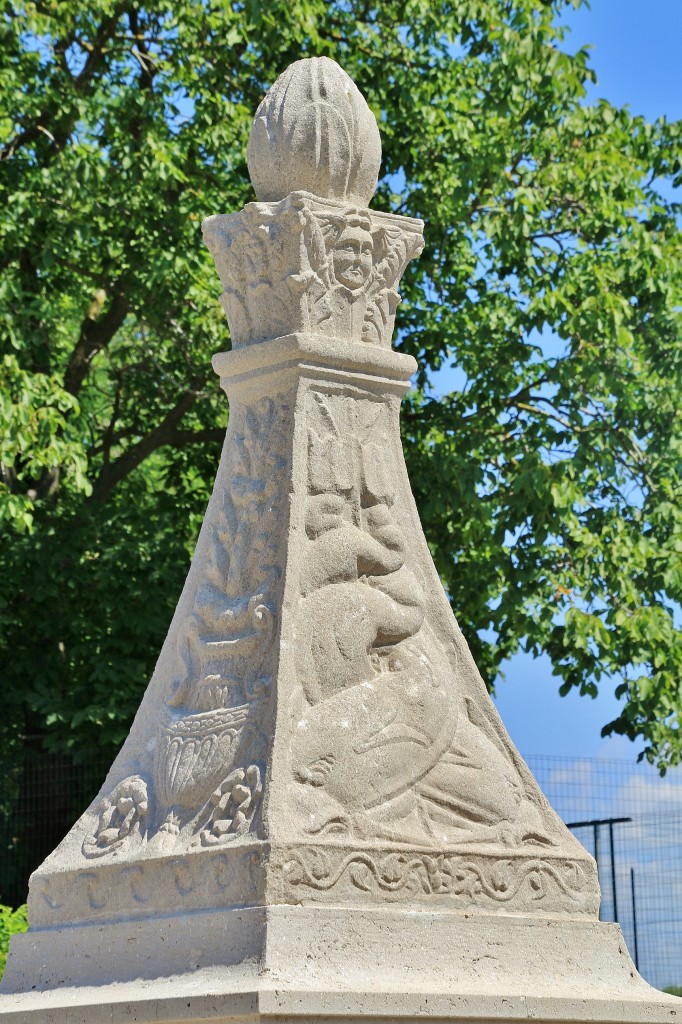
{"x":288,"y":963}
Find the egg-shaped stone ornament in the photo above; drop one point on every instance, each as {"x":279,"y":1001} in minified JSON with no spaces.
{"x":313,"y":132}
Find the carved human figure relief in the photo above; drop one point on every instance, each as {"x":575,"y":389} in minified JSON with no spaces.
{"x":321,"y":267}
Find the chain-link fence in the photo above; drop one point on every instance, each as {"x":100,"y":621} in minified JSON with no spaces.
{"x":628,"y":817}
{"x":42,"y":798}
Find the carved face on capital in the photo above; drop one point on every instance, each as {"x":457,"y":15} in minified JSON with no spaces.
{"x":353,"y":257}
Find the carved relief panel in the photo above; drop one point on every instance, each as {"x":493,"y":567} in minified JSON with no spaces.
{"x":210,"y":749}
{"x":390,"y":749}
{"x":306,"y":265}
{"x":387,"y":744}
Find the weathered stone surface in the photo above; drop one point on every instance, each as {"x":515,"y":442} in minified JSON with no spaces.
{"x":299,"y":964}
{"x":318,"y":810}
{"x":303,"y":265}
{"x":316,"y":730}
{"x":314,"y":132}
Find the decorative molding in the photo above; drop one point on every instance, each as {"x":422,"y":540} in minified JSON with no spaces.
{"x":467,"y":880}
{"x":201,"y":880}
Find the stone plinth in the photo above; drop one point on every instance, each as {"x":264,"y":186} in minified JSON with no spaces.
{"x":299,"y":964}
{"x":318,"y":812}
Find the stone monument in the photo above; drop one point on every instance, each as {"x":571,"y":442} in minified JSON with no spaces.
{"x":318,"y":812}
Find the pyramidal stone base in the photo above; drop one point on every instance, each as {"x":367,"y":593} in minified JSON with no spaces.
{"x":318,"y":814}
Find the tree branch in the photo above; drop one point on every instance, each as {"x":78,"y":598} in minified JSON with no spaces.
{"x":108,"y":439}
{"x":181,"y":438}
{"x":141,"y":53}
{"x":60,"y":133}
{"x":95,"y":334}
{"x":114,"y":472}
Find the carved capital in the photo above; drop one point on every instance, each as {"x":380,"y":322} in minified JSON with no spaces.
{"x":307,"y":265}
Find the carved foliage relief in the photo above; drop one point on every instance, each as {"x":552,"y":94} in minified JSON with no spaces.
{"x":212,"y":744}
{"x":304,"y":265}
{"x":456,"y":880}
{"x":387,"y":745}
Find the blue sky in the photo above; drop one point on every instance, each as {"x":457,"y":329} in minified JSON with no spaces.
{"x":636,"y":55}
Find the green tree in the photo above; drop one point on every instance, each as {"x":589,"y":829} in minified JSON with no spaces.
{"x":549,"y":480}
{"x":12,"y":922}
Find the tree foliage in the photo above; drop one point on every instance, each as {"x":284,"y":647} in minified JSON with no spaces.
{"x":12,"y":922}
{"x":548,"y":479}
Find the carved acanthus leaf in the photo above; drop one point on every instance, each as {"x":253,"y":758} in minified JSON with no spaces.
{"x":304,"y":265}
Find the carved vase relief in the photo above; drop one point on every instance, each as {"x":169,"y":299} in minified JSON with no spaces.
{"x":211,"y":747}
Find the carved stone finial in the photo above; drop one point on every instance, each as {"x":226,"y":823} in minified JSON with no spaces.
{"x":314,"y":132}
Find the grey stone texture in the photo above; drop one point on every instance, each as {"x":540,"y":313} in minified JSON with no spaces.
{"x":318,"y":812}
